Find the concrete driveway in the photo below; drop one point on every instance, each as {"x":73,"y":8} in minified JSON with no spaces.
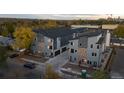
{"x":58,"y":61}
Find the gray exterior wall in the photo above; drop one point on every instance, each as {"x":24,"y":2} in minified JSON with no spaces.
{"x":38,"y":44}
{"x":73,"y":56}
{"x":48,"y":42}
{"x":82,"y":43}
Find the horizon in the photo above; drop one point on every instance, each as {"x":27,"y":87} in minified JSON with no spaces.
{"x":62,"y":16}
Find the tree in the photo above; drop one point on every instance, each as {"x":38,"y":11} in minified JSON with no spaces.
{"x":10,"y":28}
{"x":3,"y":56}
{"x":100,"y":74}
{"x":7,"y":29}
{"x":50,"y":73}
{"x":119,"y":32}
{"x":23,"y":38}
{"x":5,"y":33}
{"x":50,"y":24}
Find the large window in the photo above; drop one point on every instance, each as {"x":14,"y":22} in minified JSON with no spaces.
{"x":72,"y":50}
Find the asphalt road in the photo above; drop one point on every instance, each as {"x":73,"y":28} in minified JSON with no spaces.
{"x":117,"y":68}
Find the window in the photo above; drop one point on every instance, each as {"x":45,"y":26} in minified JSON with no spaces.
{"x":72,"y":50}
{"x":75,"y":59}
{"x":49,"y":47}
{"x":71,"y":43}
{"x":92,"y":54}
{"x":80,"y":44}
{"x":51,"y":54}
{"x":95,"y":64}
{"x":75,"y":50}
{"x":97,"y":46}
{"x":95,"y":54}
{"x":91,"y":46}
{"x":90,"y":62}
{"x":87,"y":61}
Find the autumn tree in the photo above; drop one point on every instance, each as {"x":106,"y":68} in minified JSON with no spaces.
{"x":50,"y":24}
{"x":50,"y":73}
{"x":23,"y":37}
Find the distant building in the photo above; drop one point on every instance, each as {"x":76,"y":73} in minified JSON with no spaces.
{"x":109,"y":26}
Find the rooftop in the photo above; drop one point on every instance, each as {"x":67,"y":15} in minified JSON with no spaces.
{"x":91,"y":33}
{"x":59,"y":32}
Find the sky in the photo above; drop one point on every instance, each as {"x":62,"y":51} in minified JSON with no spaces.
{"x":61,"y":16}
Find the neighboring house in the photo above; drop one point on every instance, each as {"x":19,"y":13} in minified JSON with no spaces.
{"x":86,"y":26}
{"x":52,"y":42}
{"x":109,"y":26}
{"x":5,"y":41}
{"x":117,"y":42}
{"x":89,"y":47}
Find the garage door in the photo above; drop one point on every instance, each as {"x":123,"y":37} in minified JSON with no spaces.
{"x":63,"y":49}
{"x":57,"y":52}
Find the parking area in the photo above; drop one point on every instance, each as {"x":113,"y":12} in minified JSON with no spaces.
{"x":15,"y":70}
{"x":117,"y":67}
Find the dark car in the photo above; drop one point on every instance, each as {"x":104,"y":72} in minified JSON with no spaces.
{"x":13,"y":55}
{"x":30,"y":65}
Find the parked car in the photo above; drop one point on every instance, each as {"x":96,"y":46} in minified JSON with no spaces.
{"x":30,"y":65}
{"x":14,"y":55}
